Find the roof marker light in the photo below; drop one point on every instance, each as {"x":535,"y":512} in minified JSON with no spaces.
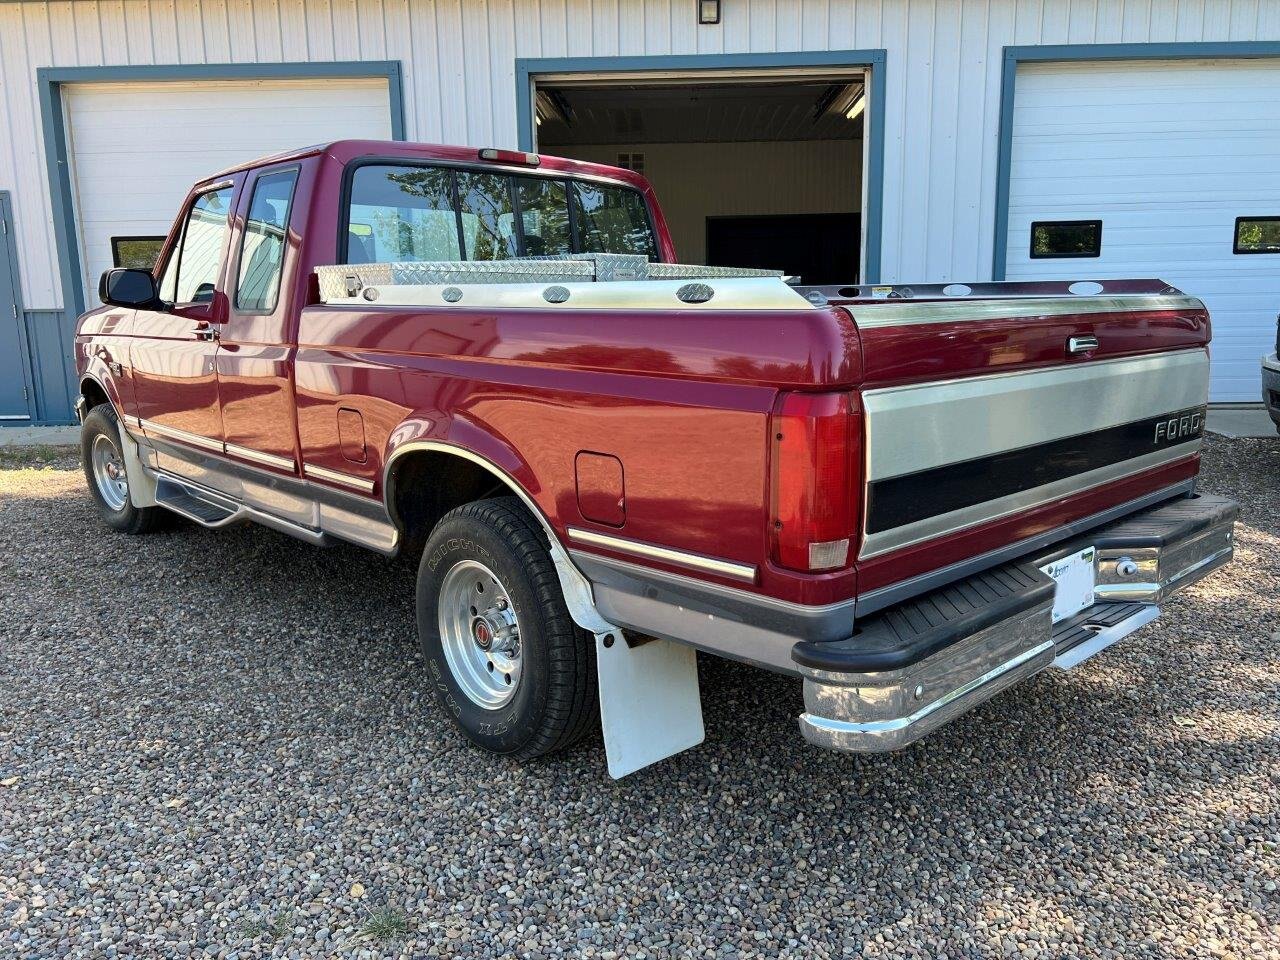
{"x":511,"y":156}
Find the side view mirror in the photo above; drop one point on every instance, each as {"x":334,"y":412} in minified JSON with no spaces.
{"x":127,"y":288}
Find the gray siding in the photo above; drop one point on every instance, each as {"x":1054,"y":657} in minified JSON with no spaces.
{"x":49,"y":338}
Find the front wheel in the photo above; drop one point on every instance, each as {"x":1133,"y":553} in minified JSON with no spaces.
{"x":104,"y":471}
{"x":507,"y":661}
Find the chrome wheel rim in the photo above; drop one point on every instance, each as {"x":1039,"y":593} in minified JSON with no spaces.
{"x":108,"y":473}
{"x":480,"y":634}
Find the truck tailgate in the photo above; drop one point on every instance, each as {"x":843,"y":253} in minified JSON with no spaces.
{"x":989,"y":421}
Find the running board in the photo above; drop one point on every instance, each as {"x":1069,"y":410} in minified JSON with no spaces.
{"x":209,"y":509}
{"x":195,"y":503}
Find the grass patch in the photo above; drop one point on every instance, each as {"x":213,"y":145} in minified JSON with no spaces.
{"x":274,"y":925}
{"x":41,"y":455}
{"x":385,"y":925}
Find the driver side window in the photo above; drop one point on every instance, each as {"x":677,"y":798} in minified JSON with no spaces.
{"x":191,"y":275}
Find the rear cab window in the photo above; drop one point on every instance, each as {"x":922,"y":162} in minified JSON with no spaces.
{"x":420,"y":212}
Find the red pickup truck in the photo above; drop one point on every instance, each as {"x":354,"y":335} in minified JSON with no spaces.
{"x":909,"y":498}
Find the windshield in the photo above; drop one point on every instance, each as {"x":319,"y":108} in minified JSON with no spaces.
{"x":399,"y":212}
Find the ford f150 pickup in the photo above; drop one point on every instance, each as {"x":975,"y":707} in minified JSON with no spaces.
{"x":909,"y":498}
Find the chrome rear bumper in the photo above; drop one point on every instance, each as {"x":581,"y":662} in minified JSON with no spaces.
{"x":914,"y":667}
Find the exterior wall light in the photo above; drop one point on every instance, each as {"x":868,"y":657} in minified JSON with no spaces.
{"x":708,"y":11}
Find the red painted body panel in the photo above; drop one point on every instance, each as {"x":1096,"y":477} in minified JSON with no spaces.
{"x":681,"y":399}
{"x":920,"y":352}
{"x":175,"y":383}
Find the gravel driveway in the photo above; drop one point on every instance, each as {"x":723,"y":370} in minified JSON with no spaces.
{"x":223,"y":744}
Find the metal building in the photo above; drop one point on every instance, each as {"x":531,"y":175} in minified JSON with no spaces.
{"x":889,"y":140}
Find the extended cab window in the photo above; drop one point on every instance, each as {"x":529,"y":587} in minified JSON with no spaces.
{"x":611,"y":220}
{"x":192,"y":275}
{"x":263,"y":243}
{"x":488,"y":218}
{"x":544,"y":216}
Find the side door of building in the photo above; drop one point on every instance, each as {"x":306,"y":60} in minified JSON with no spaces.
{"x":258,"y":342}
{"x":173,"y":347}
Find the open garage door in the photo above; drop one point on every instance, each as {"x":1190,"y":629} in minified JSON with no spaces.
{"x":1156,"y":169}
{"x":136,"y":148}
{"x":758,"y":170}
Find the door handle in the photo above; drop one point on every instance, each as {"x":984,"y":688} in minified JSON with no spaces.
{"x":204,"y":330}
{"x":1081,"y":344}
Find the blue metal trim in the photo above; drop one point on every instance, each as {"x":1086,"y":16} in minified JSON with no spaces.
{"x":873,"y":216}
{"x":24,"y":346}
{"x":1066,"y":53}
{"x":50,"y":80}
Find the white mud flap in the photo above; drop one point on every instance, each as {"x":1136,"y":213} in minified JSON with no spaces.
{"x":650,"y":706}
{"x":142,"y":485}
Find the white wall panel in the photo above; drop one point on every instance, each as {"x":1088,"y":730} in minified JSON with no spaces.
{"x":942,"y":94}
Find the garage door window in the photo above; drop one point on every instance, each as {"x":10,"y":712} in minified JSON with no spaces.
{"x":262,"y":246}
{"x":1257,"y":235}
{"x":1051,"y":239}
{"x":136,"y":253}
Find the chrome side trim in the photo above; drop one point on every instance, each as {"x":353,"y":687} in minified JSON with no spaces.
{"x":182,"y":436}
{"x":257,"y":456}
{"x":963,"y":419}
{"x":334,"y":476}
{"x":883,"y":597}
{"x":652,"y":551}
{"x":1105,"y":638}
{"x":344,"y":514}
{"x":906,"y":313}
{"x":719,"y":619}
{"x":719,"y":589}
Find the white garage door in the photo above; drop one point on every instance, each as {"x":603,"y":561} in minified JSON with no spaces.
{"x":1167,"y":155}
{"x":136,"y":148}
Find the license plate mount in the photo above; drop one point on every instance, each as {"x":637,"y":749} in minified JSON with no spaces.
{"x":1075,"y":580}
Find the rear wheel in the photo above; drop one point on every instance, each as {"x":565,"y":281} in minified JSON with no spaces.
{"x":507,"y":661}
{"x":101,"y":453}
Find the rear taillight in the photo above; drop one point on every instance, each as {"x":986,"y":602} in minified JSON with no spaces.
{"x":816,"y":480}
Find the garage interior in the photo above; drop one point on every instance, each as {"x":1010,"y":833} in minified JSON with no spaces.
{"x":750,"y":171}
